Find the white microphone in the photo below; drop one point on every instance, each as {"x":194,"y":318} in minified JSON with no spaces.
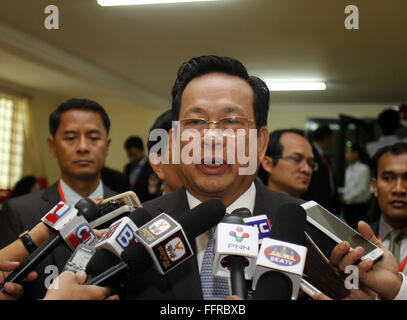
{"x":78,"y":231}
{"x":119,"y":236}
{"x":263,"y":224}
{"x":281,"y":260}
{"x":236,"y":247}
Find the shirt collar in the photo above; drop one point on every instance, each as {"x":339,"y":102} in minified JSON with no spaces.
{"x":72,"y":197}
{"x":246,"y":200}
{"x":385,"y":229}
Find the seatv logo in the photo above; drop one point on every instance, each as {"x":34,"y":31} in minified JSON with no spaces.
{"x":283,"y":256}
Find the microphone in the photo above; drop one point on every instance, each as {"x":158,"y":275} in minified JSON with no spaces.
{"x":118,"y":237}
{"x":163,"y":242}
{"x":262,"y":223}
{"x":56,"y":219}
{"x":281,"y":259}
{"x":236,"y":247}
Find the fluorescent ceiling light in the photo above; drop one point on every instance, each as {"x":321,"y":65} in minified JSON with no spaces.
{"x":274,"y":85}
{"x":140,"y":2}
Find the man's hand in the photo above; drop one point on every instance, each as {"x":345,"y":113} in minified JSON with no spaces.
{"x":70,"y":286}
{"x":382,"y":277}
{"x":13,"y":290}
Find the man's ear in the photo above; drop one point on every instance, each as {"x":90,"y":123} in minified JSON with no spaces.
{"x":374,"y":185}
{"x":51,"y":146}
{"x":156,"y":164}
{"x":267,"y":164}
{"x":263,"y":140}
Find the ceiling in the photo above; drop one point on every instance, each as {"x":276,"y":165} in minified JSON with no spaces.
{"x":133,"y":52}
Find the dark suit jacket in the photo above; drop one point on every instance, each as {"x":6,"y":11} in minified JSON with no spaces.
{"x":320,"y":189}
{"x":23,"y":213}
{"x":141,"y":185}
{"x":184,"y":282}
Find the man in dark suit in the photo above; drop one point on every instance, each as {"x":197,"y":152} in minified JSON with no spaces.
{"x":322,"y":187}
{"x":80,"y":142}
{"x":138,"y":171}
{"x":212,"y":91}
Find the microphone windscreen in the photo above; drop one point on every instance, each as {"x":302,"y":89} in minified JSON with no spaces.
{"x":88,"y":209}
{"x":242,"y":212}
{"x":273,"y":285}
{"x":140,"y":217}
{"x":102,"y":260}
{"x":289,"y":224}
{"x":137,"y":258}
{"x":233,"y":219}
{"x":203,"y":217}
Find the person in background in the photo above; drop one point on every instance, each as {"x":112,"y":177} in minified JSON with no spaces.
{"x":356,"y":192}
{"x":289,"y":162}
{"x":80,"y":143}
{"x":165,"y":170}
{"x":25,"y":185}
{"x":389,"y":122}
{"x":322,"y":188}
{"x":138,"y":170}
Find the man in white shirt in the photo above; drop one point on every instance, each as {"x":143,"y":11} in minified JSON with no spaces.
{"x":387,"y":276}
{"x":79,"y":142}
{"x":212,"y":92}
{"x":357,"y":185}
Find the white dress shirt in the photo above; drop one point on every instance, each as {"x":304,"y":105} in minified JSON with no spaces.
{"x":357,"y":183}
{"x":72,"y":197}
{"x":246,"y":200}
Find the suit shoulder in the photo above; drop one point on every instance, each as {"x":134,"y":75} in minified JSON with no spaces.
{"x":285,"y":198}
{"x":29,"y":199}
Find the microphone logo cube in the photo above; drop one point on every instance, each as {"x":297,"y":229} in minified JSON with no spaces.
{"x":239,"y":234}
{"x":119,"y":236}
{"x":282,"y":255}
{"x":126,"y":237}
{"x":262,"y":223}
{"x":159,"y":227}
{"x":59,"y":215}
{"x":175,"y":249}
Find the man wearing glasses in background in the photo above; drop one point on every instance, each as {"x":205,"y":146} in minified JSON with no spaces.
{"x":289,"y":162}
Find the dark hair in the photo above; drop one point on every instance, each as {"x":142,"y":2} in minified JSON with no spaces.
{"x":275,"y":149}
{"x":134,"y":142}
{"x":395,"y":149}
{"x":78,"y":104}
{"x":321,"y":133}
{"x":202,"y":65}
{"x":164,"y":121}
{"x":389,"y":121}
{"x":23,"y":186}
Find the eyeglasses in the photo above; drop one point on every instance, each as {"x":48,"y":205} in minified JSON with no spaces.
{"x":300,"y":161}
{"x":234,"y":123}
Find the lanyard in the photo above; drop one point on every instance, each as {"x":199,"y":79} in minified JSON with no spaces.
{"x":403,"y":264}
{"x":61,"y":193}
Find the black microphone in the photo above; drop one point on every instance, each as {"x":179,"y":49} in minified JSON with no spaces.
{"x":235,"y":263}
{"x":60,"y":217}
{"x":241,"y":212}
{"x":167,"y":248}
{"x":281,"y":259}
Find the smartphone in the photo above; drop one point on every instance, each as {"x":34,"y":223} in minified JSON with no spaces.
{"x":116,"y":207}
{"x":80,"y":258}
{"x":337,"y":231}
